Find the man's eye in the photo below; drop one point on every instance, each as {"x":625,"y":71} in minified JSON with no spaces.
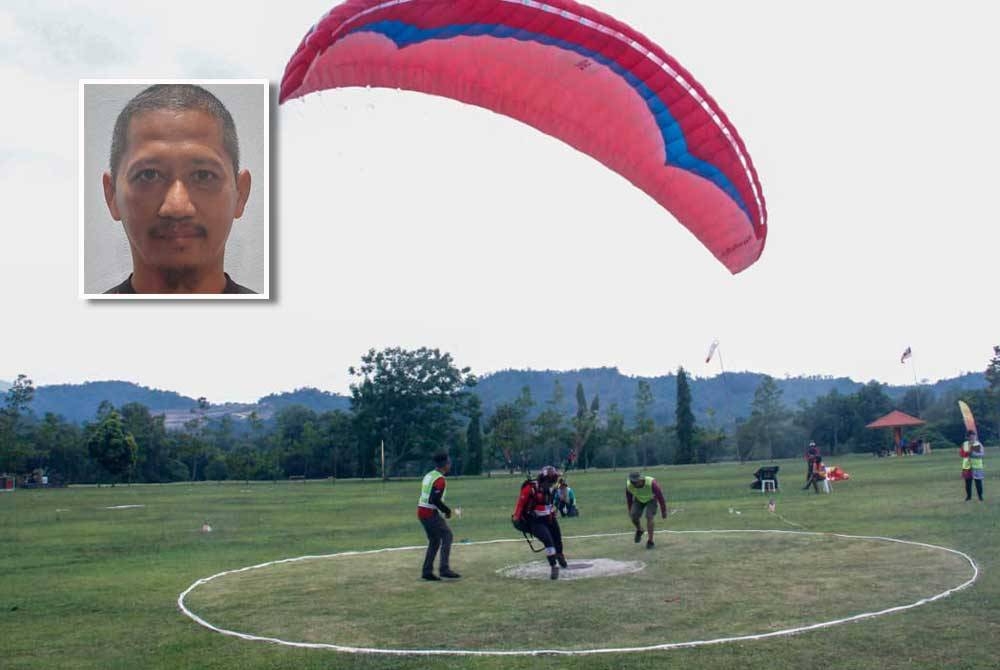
{"x":148,"y":175}
{"x":204,"y":176}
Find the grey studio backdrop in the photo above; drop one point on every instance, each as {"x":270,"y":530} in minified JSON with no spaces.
{"x":106,"y":256}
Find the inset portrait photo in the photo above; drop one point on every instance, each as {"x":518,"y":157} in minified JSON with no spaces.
{"x":174,"y":189}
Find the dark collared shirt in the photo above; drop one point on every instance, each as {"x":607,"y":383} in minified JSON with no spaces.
{"x":231,"y":287}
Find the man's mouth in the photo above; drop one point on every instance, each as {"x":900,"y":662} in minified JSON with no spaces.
{"x":174,"y":231}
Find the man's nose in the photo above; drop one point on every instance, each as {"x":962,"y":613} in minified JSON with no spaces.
{"x":176,"y":202}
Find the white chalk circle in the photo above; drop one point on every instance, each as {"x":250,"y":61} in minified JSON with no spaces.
{"x":586,"y":568}
{"x":710,"y":640}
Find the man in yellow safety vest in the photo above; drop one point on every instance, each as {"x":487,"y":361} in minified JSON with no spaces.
{"x":429,"y":510}
{"x":642,"y":495}
{"x":971,"y":452}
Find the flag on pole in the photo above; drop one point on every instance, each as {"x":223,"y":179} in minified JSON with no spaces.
{"x":906,"y":354}
{"x":711,"y":350}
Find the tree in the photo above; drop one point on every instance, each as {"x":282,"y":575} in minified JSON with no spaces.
{"x":60,"y":445}
{"x":506,"y":434}
{"x":411,"y":400}
{"x":685,"y":420}
{"x":549,"y":432}
{"x":916,"y":400}
{"x":708,"y":441}
{"x":192,"y":446}
{"x":829,"y":420}
{"x":474,"y":438}
{"x":151,"y":438}
{"x":615,"y":434}
{"x":297,"y":438}
{"x":993,"y":388}
{"x":241,"y":462}
{"x":870,"y":402}
{"x":644,"y":425}
{"x":340,"y":441}
{"x":20,"y":395}
{"x":15,"y":448}
{"x":766,"y":412}
{"x":583,"y":425}
{"x":112,"y":446}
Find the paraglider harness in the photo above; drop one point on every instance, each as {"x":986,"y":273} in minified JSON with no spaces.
{"x":523,"y":523}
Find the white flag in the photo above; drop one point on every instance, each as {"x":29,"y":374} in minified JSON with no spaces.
{"x":711,"y":350}
{"x":906,"y":354}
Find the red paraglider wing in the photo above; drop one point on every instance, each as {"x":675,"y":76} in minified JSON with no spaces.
{"x":568,"y":70}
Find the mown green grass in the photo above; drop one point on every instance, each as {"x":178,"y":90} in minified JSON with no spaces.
{"x":366,"y":600}
{"x":93,"y":587}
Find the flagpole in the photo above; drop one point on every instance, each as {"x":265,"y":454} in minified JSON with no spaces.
{"x":383,"y":460}
{"x":717,"y":348}
{"x":729,"y":399}
{"x":916,"y":388}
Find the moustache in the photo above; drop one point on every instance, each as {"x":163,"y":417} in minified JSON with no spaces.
{"x":168,"y":230}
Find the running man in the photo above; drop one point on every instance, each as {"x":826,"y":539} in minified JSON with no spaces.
{"x":642,"y":495}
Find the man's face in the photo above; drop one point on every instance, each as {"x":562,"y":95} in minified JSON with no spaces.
{"x":175,"y":191}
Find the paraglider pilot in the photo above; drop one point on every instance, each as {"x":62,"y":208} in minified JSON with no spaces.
{"x":534,"y":513}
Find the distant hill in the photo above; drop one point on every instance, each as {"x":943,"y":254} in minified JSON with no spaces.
{"x":79,"y":402}
{"x":4,"y":386}
{"x":726,"y":396}
{"x":715,"y":399}
{"x":314,"y":399}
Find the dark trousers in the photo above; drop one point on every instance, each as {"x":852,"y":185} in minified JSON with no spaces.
{"x":549,"y":534}
{"x":438,"y":537}
{"x":809,"y":474}
{"x":968,"y":488}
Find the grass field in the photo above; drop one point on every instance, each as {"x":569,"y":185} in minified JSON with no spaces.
{"x":88,"y":586}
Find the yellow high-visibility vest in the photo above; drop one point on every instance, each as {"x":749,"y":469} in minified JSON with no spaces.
{"x":425,"y":489}
{"x":643,"y":494}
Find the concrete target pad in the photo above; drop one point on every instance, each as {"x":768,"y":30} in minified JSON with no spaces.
{"x":576,"y":569}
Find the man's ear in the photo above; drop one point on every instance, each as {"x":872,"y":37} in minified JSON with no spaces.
{"x":109,"y":196}
{"x":242,"y":192}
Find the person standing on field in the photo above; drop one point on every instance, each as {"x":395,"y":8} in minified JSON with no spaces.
{"x":971,"y":452}
{"x":812,"y":453}
{"x":430,"y":509}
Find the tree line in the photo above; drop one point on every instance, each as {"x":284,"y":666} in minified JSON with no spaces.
{"x":406,"y":404}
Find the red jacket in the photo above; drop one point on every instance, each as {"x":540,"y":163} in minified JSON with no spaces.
{"x":533,"y":501}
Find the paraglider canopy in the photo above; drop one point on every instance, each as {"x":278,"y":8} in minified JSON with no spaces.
{"x":568,"y":70}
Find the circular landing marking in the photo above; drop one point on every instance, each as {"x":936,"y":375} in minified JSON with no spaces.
{"x":578,"y":652}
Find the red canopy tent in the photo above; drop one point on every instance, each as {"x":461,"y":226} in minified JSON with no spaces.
{"x":897,"y":421}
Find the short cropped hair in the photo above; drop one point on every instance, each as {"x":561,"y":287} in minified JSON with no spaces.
{"x":441,"y":458}
{"x":174,"y":97}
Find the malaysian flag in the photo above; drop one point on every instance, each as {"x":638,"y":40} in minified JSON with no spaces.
{"x":906,"y":354}
{"x":711,"y":350}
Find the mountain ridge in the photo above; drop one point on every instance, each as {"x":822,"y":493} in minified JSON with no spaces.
{"x":720,"y":399}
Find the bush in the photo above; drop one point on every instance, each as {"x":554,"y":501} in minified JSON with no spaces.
{"x":176,"y":471}
{"x":217,"y":470}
